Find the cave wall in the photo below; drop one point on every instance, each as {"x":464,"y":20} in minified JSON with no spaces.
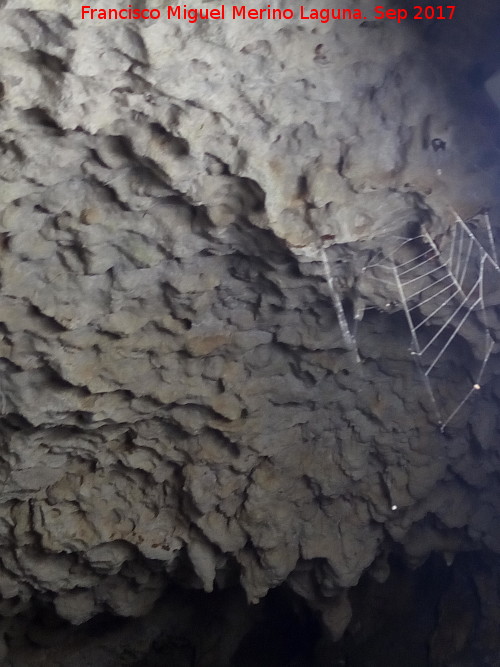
{"x":179,"y":403}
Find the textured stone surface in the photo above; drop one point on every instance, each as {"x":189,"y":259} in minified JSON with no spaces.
{"x":177,"y":397}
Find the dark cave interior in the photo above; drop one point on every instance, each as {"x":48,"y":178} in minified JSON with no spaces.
{"x":417,"y":616}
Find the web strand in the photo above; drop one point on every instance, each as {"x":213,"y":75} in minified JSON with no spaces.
{"x":442,"y":285}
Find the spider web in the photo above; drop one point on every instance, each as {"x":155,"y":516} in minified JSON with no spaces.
{"x":440,"y":285}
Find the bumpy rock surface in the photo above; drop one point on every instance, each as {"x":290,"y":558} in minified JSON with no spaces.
{"x":178,"y":400}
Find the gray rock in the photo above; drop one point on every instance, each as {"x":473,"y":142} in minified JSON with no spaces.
{"x":177,"y":396}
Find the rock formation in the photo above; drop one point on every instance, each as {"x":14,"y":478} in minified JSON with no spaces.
{"x":188,"y":211}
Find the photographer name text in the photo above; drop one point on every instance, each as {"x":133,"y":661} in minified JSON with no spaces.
{"x":324,"y":15}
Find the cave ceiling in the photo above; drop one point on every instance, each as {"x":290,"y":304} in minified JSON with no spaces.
{"x":204,"y":372}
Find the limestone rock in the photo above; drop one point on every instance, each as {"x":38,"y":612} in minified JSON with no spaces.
{"x":178,"y":400}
